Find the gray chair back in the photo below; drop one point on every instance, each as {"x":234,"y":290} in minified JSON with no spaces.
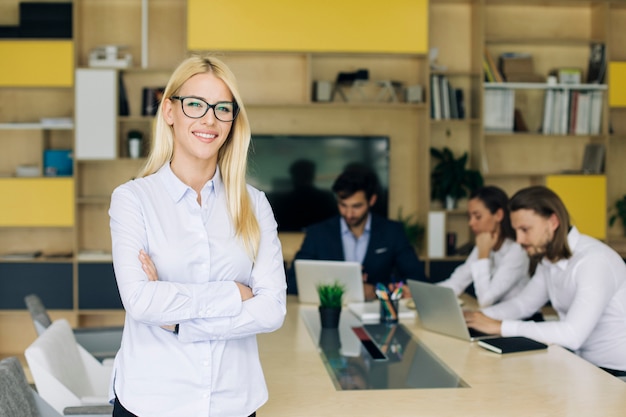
{"x":16,"y":396}
{"x":38,"y":313}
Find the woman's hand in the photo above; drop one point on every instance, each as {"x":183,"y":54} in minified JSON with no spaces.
{"x":485,"y":243}
{"x":246,"y":292}
{"x":477,"y":320}
{"x":148,"y":266}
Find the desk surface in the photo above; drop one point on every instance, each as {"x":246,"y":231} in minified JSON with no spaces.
{"x":554,"y":382}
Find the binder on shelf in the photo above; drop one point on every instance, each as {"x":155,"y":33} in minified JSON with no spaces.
{"x":499,"y":110}
{"x":436,"y":234}
{"x":548,"y":112}
{"x":435,"y":97}
{"x":595,"y":104}
{"x":445,"y":97}
{"x":493,"y":68}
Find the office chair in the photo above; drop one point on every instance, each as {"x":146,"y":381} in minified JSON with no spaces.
{"x":102,"y":342}
{"x":65,"y":374}
{"x":18,"y":399}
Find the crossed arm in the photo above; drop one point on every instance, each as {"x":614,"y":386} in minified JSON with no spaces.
{"x":150,"y":269}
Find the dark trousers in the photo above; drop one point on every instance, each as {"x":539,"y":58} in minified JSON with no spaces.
{"x":120,"y":411}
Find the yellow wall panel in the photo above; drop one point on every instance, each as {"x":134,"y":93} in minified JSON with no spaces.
{"x":37,"y":63}
{"x":41,"y":202}
{"x":585,"y":199}
{"x":617,"y":84}
{"x":395,"y":26}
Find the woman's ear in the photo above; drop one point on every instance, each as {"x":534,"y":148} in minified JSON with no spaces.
{"x":499,"y":215}
{"x":168,"y":111}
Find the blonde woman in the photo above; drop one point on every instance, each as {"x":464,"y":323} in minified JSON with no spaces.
{"x":197,"y":259}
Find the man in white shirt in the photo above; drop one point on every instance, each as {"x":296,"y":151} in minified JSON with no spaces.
{"x":583,"y":279}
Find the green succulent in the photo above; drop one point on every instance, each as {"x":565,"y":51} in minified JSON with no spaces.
{"x":331,"y":295}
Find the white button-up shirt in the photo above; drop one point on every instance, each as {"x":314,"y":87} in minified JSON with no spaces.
{"x":212,"y":367}
{"x":588,"y":291}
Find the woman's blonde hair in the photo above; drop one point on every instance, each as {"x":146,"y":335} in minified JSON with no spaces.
{"x":232,"y":157}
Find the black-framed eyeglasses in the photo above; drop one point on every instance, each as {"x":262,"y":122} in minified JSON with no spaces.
{"x":195,"y":108}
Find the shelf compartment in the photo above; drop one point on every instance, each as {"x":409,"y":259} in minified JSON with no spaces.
{"x":533,"y":154}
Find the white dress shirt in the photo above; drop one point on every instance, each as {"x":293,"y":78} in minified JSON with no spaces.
{"x":588,"y":291}
{"x":355,"y":248}
{"x":212,"y":367}
{"x":499,"y":277}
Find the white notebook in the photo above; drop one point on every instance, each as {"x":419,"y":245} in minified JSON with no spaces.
{"x":369,"y":312}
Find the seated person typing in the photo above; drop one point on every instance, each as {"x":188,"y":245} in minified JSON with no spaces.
{"x":497,"y":266}
{"x":583,"y":279}
{"x":358,"y":235}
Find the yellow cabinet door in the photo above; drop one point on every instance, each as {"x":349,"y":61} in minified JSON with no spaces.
{"x":37,"y":63}
{"x":584,"y":197}
{"x":37,"y":202}
{"x":396,"y":26}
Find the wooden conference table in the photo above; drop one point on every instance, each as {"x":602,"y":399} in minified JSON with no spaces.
{"x":554,"y":382}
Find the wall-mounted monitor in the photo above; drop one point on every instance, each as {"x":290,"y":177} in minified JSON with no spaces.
{"x":297,"y":173}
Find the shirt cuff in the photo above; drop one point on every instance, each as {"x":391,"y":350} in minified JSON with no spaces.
{"x":510,"y":328}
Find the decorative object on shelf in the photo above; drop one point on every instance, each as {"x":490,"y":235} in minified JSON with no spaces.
{"x":352,"y":82}
{"x":331,"y":299}
{"x":414,"y":94}
{"x":27,"y":171}
{"x":322,"y":90}
{"x":413,"y":229}
{"x":519,"y":67}
{"x":57,"y":162}
{"x":389,"y":90}
{"x":135,"y":142}
{"x":618,"y":211}
{"x":151,"y":98}
{"x":450,"y":180}
{"x":110,"y":56}
{"x":433,"y":54}
{"x":596,"y":70}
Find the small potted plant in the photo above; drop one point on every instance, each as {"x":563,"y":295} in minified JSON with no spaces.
{"x":331,"y":299}
{"x":619,"y":212}
{"x":450,"y":180}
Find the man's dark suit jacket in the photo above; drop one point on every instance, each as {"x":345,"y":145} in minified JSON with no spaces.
{"x":389,"y":255}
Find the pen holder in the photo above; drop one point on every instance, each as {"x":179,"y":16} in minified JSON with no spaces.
{"x":388,"y":311}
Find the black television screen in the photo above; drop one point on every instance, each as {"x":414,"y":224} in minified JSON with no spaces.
{"x":297,"y":173}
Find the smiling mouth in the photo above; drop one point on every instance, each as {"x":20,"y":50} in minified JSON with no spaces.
{"x":205,"y":135}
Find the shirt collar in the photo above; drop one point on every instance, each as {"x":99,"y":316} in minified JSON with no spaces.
{"x":345,"y":229}
{"x":177,"y":189}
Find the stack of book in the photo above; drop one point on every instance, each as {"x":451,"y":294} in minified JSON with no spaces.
{"x":499,"y":110}
{"x":572,"y":112}
{"x":491,"y":70}
{"x":446,"y":102}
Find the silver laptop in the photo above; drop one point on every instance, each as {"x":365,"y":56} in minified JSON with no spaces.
{"x":439,"y":311}
{"x":310,"y":273}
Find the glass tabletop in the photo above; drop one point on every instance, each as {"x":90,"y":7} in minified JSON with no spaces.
{"x":376,"y":356}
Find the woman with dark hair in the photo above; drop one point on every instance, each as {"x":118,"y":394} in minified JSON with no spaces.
{"x":583,"y":279}
{"x":497,"y":266}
